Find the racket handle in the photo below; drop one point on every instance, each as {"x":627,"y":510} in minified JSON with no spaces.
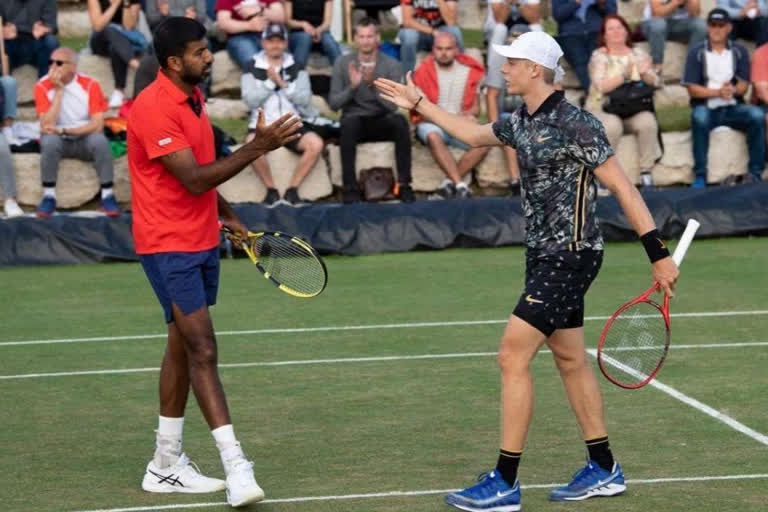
{"x":685,"y":241}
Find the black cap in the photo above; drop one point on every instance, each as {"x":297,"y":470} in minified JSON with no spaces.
{"x":718,"y":15}
{"x":274,"y":30}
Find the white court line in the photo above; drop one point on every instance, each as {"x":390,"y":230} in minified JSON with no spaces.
{"x":290,"y":330}
{"x":407,"y":494}
{"x":372,"y":359}
{"x":677,"y":395}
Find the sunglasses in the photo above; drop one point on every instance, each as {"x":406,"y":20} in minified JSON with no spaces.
{"x":57,"y":62}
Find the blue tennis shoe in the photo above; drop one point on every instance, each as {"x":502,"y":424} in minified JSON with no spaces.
{"x":491,"y":493}
{"x":590,"y":481}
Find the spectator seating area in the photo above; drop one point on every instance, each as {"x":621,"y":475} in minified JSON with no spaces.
{"x":78,"y":184}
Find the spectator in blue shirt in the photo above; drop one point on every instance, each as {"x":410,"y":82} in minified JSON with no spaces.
{"x":578,"y":26}
{"x":749,"y":19}
{"x":717,"y":77}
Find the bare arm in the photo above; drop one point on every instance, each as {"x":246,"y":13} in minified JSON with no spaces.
{"x":409,"y":21}
{"x":701,"y":92}
{"x":289,"y":21}
{"x":327,"y":17}
{"x":95,"y":125}
{"x":448,"y":11}
{"x":407,"y":96}
{"x":51,"y":115}
{"x":492,"y":104}
{"x":659,"y":9}
{"x":230,"y":25}
{"x":611,"y":175}
{"x":474,"y":110}
{"x":761,"y":90}
{"x":99,"y":20}
{"x":693,"y":7}
{"x":740,"y":89}
{"x":200,"y":179}
{"x":131,"y":16}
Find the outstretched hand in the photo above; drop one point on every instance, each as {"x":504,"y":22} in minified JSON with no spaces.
{"x":267,"y":137}
{"x":403,"y":95}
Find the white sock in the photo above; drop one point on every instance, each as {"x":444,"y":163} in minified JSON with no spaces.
{"x":105,"y":193}
{"x":229,"y":449}
{"x":447,"y":182}
{"x":49,"y":192}
{"x":461,"y":184}
{"x":168,"y":441}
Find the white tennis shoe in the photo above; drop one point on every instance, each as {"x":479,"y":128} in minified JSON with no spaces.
{"x":242,"y":488}
{"x":184,"y":476}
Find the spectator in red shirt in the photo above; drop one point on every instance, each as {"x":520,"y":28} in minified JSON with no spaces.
{"x":71,"y":109}
{"x":176,"y":212}
{"x":760,"y":82}
{"x":421,"y":20}
{"x":243,"y":21}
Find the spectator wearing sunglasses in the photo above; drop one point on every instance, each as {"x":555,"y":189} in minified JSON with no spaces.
{"x":29,"y":28}
{"x":717,"y":78}
{"x":70,"y":107}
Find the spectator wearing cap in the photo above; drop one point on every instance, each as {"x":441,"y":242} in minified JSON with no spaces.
{"x":717,"y":77}
{"x":673,"y":20}
{"x":578,"y":26}
{"x":450,"y":80}
{"x":243,"y":21}
{"x":310,"y":22}
{"x":760,"y":83}
{"x":749,"y":19}
{"x":274,"y":83}
{"x":421,"y":20}
{"x":365,"y":116}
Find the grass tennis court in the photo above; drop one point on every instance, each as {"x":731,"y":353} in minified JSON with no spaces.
{"x":334,"y":407}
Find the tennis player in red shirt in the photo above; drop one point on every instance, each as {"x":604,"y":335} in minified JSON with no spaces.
{"x":176,"y":213}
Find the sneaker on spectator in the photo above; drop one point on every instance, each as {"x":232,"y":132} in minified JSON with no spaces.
{"x":116,"y":99}
{"x":350,"y":195}
{"x":9,"y":137}
{"x":405,"y":193}
{"x":12,"y":208}
{"x":272,"y":198}
{"x":699,"y":182}
{"x":110,"y":207}
{"x":446,"y":190}
{"x":47,"y":207}
{"x":291,"y":197}
{"x":463,"y":191}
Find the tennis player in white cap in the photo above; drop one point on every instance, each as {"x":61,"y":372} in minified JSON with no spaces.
{"x":560,"y":150}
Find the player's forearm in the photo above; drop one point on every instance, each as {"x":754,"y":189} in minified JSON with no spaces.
{"x":207,"y":177}
{"x":457,"y":125}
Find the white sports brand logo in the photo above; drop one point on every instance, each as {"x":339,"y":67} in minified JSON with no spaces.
{"x":164,"y":142}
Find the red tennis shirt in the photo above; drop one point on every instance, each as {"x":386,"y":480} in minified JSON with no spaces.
{"x":166,"y":216}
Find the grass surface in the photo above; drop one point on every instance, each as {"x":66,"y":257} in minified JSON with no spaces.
{"x":358,"y":427}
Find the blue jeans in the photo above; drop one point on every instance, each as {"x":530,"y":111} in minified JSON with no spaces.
{"x":242,"y":47}
{"x":301,"y":44}
{"x":10,"y":88}
{"x":28,"y":50}
{"x":658,"y":30}
{"x":745,"y":118}
{"x":578,"y":49}
{"x":411,"y":41}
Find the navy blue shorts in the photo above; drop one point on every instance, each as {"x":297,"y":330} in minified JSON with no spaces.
{"x":189,"y":279}
{"x":555,"y":285}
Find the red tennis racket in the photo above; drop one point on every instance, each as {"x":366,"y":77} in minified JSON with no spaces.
{"x":635,"y":340}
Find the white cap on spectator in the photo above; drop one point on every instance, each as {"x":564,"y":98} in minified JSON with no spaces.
{"x":538,"y":47}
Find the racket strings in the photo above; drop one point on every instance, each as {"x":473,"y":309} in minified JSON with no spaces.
{"x":636,"y":343}
{"x":290,"y":264}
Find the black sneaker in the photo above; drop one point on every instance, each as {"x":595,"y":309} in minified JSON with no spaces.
{"x":463,"y":192}
{"x":405,"y":194}
{"x":446,"y":191}
{"x":350,"y":195}
{"x":273,"y":196}
{"x":291,"y":196}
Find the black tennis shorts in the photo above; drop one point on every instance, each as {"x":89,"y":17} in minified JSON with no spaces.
{"x":555,"y":285}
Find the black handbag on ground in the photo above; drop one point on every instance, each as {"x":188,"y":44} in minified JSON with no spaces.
{"x":630,"y":98}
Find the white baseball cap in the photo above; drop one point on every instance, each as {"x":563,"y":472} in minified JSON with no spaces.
{"x":538,"y":47}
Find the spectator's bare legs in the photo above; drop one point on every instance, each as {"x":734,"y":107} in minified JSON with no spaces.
{"x":174,"y":376}
{"x":443,"y":156}
{"x":512,"y":167}
{"x":517,"y":349}
{"x":196,"y":329}
{"x":261,"y":167}
{"x":567,"y":347}
{"x":470,"y":159}
{"x":311,"y":146}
